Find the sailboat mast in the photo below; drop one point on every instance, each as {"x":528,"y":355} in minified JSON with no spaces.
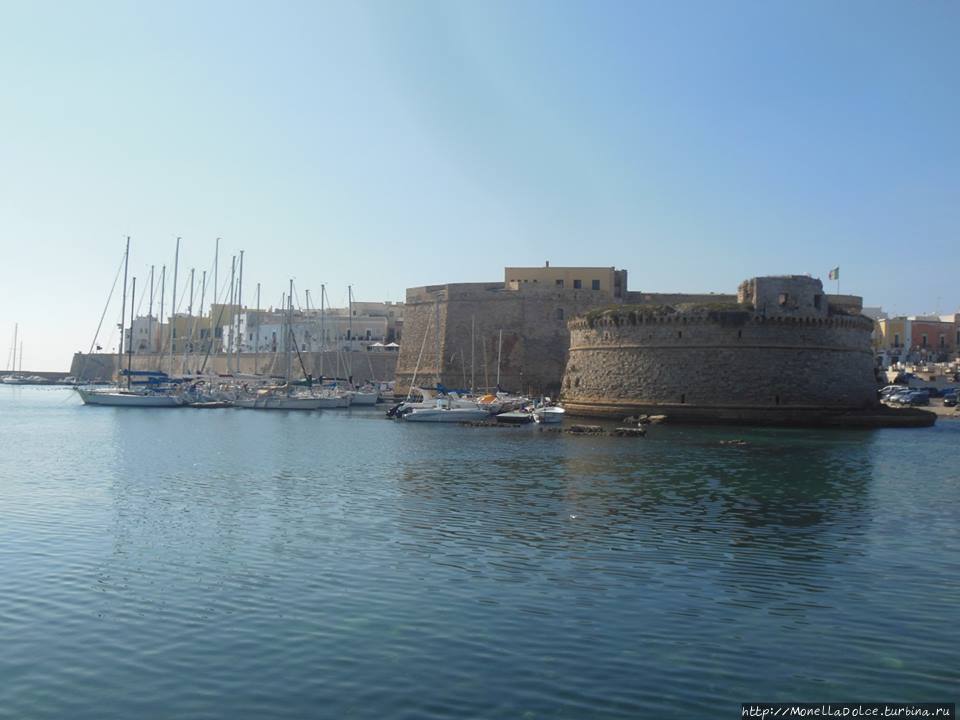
{"x":123,"y":311}
{"x":289,"y":342}
{"x":216,"y":291}
{"x":233,"y":270}
{"x":173,"y":304}
{"x":323,"y":327}
{"x":163,"y":288}
{"x":256,"y":349}
{"x":473,"y":351}
{"x":349,"y":356}
{"x":133,"y":297}
{"x":499,"y":352}
{"x":21,"y":357}
{"x":239,"y":308}
{"x":190,"y":304}
{"x":203,"y":297}
{"x":150,"y":315}
{"x":13,"y":351}
{"x":436,"y":334}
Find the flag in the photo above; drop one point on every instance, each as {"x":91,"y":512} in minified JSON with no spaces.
{"x":834,"y":274}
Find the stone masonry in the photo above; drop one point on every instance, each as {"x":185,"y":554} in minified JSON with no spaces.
{"x":781,"y":352}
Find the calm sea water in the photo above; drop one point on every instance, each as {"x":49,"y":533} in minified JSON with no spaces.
{"x":243,"y":564}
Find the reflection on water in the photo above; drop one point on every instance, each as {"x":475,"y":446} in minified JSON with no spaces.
{"x":247,"y":564}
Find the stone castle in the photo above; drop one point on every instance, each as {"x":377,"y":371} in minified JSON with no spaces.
{"x":467,"y":335}
{"x":782,"y":351}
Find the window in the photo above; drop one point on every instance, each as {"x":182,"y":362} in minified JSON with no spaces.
{"x":784,"y":298}
{"x":896,"y":340}
{"x":559,"y":313}
{"x":577,"y":285}
{"x":560,"y":283}
{"x":923,"y":339}
{"x":942,"y":341}
{"x":594,"y":284}
{"x":816,"y":301}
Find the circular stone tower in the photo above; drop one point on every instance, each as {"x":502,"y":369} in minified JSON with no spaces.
{"x":784,"y":353}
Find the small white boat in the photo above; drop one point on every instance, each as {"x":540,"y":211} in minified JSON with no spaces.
{"x":515,"y":417}
{"x":445,"y":411}
{"x":121,"y":398}
{"x":15,"y":380}
{"x":549,"y":414}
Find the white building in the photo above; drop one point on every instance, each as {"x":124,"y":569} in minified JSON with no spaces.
{"x":311,"y":331}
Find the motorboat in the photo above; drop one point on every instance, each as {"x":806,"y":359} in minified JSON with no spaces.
{"x":549,"y":414}
{"x":515,"y":417}
{"x":445,"y":410}
{"x":429,"y":402}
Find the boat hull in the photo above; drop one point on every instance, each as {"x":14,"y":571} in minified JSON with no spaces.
{"x":549,"y":416}
{"x":454,"y":415}
{"x":121,"y":399}
{"x":278,"y":403}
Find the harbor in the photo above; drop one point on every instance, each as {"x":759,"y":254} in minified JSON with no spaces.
{"x":255,"y":564}
{"x":479,"y":361}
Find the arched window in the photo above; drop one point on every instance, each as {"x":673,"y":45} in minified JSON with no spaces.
{"x":559,"y":313}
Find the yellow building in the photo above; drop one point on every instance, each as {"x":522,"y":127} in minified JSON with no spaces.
{"x":602,"y":279}
{"x":892,"y":335}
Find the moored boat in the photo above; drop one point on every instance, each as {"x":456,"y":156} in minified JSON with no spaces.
{"x":122,"y":398}
{"x":515,"y":417}
{"x":445,"y":411}
{"x":549,"y":414}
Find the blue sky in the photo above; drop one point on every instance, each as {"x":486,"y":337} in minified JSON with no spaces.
{"x":393,"y":144}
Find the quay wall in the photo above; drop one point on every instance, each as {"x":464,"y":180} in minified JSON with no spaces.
{"x":379,"y":366}
{"x":727,"y":364}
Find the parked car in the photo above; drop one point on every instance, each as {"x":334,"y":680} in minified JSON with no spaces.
{"x":949,"y":400}
{"x":918,"y":397}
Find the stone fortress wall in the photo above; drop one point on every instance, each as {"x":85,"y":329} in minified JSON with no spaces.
{"x":781,"y":351}
{"x":466,"y":319}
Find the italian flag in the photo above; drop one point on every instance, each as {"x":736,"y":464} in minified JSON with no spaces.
{"x":834,"y":274}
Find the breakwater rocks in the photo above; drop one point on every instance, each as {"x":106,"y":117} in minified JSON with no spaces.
{"x":784,"y":354}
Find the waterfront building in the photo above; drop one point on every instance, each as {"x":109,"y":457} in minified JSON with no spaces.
{"x":932,"y":338}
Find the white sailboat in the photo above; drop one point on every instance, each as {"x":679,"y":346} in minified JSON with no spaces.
{"x":16,"y":378}
{"x":128,"y":398}
{"x":282,"y":397}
